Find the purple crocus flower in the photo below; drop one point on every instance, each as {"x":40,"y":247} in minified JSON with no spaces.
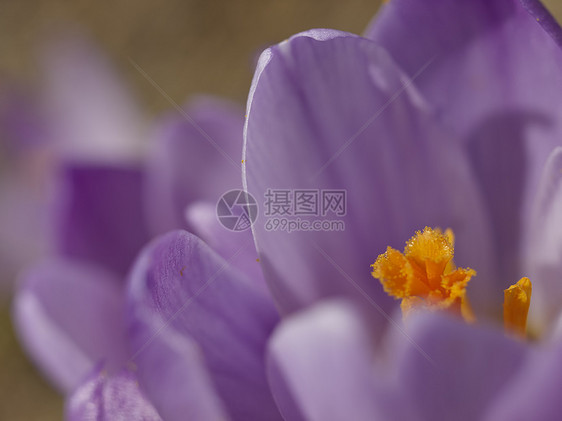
{"x":444,"y":114}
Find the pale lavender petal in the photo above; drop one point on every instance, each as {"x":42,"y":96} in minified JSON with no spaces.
{"x":99,"y":214}
{"x":104,"y":397}
{"x":69,"y":316}
{"x":195,"y":155}
{"x":534,"y":392}
{"x":328,"y":110}
{"x":171,"y":370}
{"x":322,"y":367}
{"x":185,"y":284}
{"x":455,"y":370}
{"x":93,"y":115}
{"x":493,"y":74}
{"x":543,"y":250}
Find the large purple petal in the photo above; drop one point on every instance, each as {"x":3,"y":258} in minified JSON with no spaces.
{"x":328,"y":110}
{"x":192,"y":290}
{"x":195,"y":156}
{"x":172,"y":372}
{"x":322,"y":367}
{"x":69,"y":316}
{"x":99,"y":215}
{"x":104,"y":397}
{"x":543,"y":250}
{"x":460,"y":369}
{"x":534,"y":392}
{"x":92,"y":114}
{"x":494,"y":76}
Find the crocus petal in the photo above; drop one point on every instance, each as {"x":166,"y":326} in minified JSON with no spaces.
{"x":69,"y":316}
{"x":23,"y":228}
{"x":94,"y":118}
{"x":203,"y":218}
{"x":461,"y":368}
{"x":534,"y":393}
{"x":100,"y":214}
{"x":172,"y":372}
{"x":334,"y":110}
{"x":22,"y":125}
{"x":185,"y":284}
{"x":195,"y":156}
{"x":322,"y":367}
{"x":109,"y":398}
{"x":543,"y":257}
{"x":493,"y":75}
{"x":543,"y":16}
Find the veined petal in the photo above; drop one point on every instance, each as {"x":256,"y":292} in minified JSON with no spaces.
{"x":179,"y":280}
{"x":104,"y":397}
{"x":329,"y":110}
{"x":322,"y":368}
{"x":195,"y":155}
{"x":99,"y":214}
{"x":494,"y":78}
{"x":228,"y":244}
{"x":69,"y":316}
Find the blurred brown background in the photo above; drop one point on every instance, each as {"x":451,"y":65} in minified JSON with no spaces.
{"x":187,"y":47}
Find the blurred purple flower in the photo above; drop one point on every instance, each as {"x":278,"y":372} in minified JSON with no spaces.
{"x":108,"y":197}
{"x":445,"y":114}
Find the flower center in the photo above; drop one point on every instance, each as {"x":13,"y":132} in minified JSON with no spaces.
{"x":424,"y":276}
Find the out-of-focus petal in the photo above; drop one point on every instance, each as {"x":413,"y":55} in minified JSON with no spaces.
{"x":172,"y":372}
{"x":104,"y":397}
{"x":194,"y":156}
{"x":460,"y":370}
{"x":69,"y":316}
{"x":493,"y":74}
{"x":534,"y":393}
{"x":543,"y":251}
{"x":22,"y":125}
{"x":99,"y":214}
{"x":23,"y":228}
{"x":328,"y":110}
{"x":181,"y":281}
{"x":322,"y":367}
{"x":93,"y":116}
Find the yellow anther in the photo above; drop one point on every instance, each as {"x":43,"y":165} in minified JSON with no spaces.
{"x":517,"y":299}
{"x":424,"y":276}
